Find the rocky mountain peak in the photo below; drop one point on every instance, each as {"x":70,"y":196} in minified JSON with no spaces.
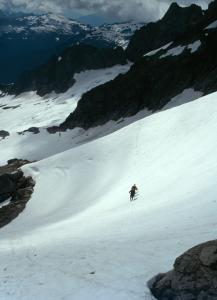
{"x":177,"y":13}
{"x":212,"y":9}
{"x":175,"y":22}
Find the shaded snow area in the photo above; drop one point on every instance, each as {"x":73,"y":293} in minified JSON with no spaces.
{"x":4,"y":203}
{"x":186,"y":96}
{"x":29,"y":109}
{"x":194,"y":46}
{"x":47,"y":23}
{"x":153,"y":52}
{"x":81,"y":238}
{"x":175,"y":50}
{"x":212,"y":25}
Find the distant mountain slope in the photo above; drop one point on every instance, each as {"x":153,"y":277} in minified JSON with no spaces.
{"x":117,"y":33}
{"x":190,"y":61}
{"x":58,"y":74}
{"x":29,"y":40}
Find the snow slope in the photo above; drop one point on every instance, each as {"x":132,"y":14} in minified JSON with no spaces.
{"x":29,"y":109}
{"x":80,"y":237}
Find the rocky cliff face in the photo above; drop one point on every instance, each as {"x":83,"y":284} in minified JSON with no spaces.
{"x":176,"y":21}
{"x":152,"y":82}
{"x":57,"y":74}
{"x":194,"y":276}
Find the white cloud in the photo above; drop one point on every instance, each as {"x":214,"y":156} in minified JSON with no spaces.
{"x":122,"y":9}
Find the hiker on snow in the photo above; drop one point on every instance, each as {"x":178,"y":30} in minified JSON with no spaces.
{"x":133,"y":192}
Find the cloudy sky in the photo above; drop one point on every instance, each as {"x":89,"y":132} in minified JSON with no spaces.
{"x":118,"y":9}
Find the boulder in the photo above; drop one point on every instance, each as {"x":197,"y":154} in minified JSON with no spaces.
{"x":4,"y":134}
{"x":194,"y":276}
{"x":34,"y":130}
{"x":17,"y":187}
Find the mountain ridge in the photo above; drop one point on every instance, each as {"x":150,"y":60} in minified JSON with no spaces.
{"x":190,"y":61}
{"x":29,"y":41}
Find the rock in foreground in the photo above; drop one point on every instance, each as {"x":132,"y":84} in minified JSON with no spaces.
{"x":194,"y":276}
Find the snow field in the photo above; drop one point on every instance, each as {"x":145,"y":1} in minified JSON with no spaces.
{"x":53,"y":108}
{"x":80,"y":220}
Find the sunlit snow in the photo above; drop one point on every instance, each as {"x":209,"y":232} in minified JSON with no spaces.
{"x":54,"y":108}
{"x":81,"y":238}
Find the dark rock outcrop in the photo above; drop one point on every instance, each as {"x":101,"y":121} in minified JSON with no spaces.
{"x":53,"y":129}
{"x":13,"y":165}
{"x":16,"y":187}
{"x":8,"y":184}
{"x":211,"y":13}
{"x":194,"y":276}
{"x":33,"y":130}
{"x":4,"y":134}
{"x":176,"y":22}
{"x":150,"y":83}
{"x":57,"y":74}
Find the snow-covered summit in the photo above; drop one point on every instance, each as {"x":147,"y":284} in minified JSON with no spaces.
{"x":118,"y":33}
{"x":44,"y":24}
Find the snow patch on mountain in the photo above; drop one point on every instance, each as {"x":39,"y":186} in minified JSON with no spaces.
{"x":174,"y":51}
{"x":153,"y":52}
{"x":213,"y":25}
{"x":194,"y":46}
